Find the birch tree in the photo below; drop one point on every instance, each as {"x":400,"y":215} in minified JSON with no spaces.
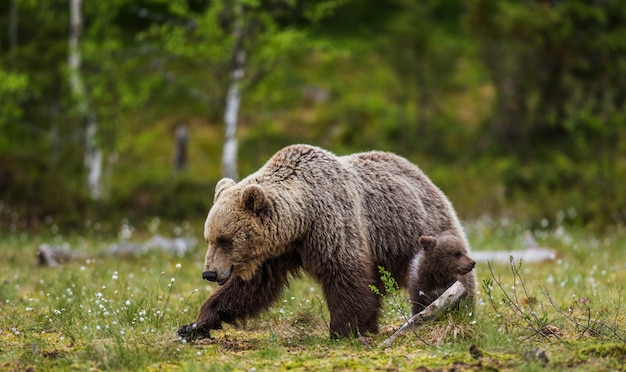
{"x":243,"y":40}
{"x":233,"y":98}
{"x":92,"y":155}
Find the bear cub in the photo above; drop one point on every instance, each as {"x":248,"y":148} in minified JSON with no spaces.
{"x":442,"y":261}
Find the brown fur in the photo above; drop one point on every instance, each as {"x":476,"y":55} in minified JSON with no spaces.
{"x":442,"y":261}
{"x":336,"y":218}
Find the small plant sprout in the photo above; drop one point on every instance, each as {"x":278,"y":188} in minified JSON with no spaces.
{"x":392,"y":289}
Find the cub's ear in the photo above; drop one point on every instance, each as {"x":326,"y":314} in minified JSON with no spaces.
{"x":253,"y":198}
{"x":222,"y":185}
{"x":428,"y":242}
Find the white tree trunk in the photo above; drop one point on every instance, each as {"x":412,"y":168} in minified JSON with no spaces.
{"x":233,"y":99}
{"x":93,"y":155}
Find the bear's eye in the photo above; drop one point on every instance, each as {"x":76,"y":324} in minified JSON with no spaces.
{"x":458,"y":254}
{"x":224,"y":242}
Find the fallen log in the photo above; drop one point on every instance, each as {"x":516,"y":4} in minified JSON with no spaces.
{"x":447,"y":299}
{"x":54,"y":256}
{"x":532,"y":252}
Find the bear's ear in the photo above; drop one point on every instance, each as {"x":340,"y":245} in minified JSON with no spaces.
{"x":222,"y":185}
{"x":428,"y":242}
{"x":253,"y":198}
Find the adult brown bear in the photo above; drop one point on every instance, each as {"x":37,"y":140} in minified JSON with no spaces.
{"x":338,"y":218}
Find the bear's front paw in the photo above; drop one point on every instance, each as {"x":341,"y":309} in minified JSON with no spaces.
{"x":191,"y":332}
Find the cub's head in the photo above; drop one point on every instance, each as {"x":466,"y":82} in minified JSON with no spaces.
{"x":236,"y":231}
{"x":448,"y":253}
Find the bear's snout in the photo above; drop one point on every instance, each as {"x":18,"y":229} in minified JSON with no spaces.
{"x":467,"y":268}
{"x":219,"y":276}
{"x":471,"y":266}
{"x":210,"y":276}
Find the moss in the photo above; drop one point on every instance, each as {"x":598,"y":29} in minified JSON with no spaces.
{"x":609,"y":350}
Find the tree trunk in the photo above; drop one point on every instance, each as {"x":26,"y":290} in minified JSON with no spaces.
{"x":13,"y":23}
{"x":180,"y":152}
{"x":93,"y":155}
{"x":233,"y":99}
{"x":422,"y":102}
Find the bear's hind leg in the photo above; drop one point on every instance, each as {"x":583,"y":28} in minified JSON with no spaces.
{"x":354,"y":307}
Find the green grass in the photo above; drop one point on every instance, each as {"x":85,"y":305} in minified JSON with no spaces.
{"x":121,"y":313}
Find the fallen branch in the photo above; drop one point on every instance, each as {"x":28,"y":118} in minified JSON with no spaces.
{"x":447,"y":299}
{"x":53,"y":256}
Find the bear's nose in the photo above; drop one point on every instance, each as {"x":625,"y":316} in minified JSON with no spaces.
{"x":473,"y":264}
{"x":210,"y":276}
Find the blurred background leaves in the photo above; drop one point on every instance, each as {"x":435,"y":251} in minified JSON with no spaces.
{"x":513,"y":108}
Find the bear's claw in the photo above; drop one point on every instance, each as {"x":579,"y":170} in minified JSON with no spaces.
{"x":191,"y":332}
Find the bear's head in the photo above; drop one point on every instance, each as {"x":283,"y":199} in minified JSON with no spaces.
{"x":237,"y":231}
{"x":447,"y":254}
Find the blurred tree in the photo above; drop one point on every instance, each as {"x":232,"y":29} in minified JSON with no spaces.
{"x":14,"y":16}
{"x":13,"y":91}
{"x":31,"y":60}
{"x":41,"y":142}
{"x":233,"y":97}
{"x":419,"y":45}
{"x":391,"y":70}
{"x":553,"y":64}
{"x":559,"y":71}
{"x":229,"y":38}
{"x":93,"y":154}
{"x":180,"y":152}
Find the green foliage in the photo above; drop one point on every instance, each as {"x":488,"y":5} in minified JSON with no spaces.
{"x":511,"y":107}
{"x":421,"y":52}
{"x":552,"y":68}
{"x":13,"y":91}
{"x":389,"y":283}
{"x":321,"y":10}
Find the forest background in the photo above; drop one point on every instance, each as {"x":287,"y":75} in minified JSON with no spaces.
{"x":514,"y":108}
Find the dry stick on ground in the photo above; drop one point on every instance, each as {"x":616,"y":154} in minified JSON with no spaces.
{"x":447,"y":299}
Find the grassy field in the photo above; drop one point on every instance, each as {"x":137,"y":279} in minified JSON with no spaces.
{"x":121,"y":313}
